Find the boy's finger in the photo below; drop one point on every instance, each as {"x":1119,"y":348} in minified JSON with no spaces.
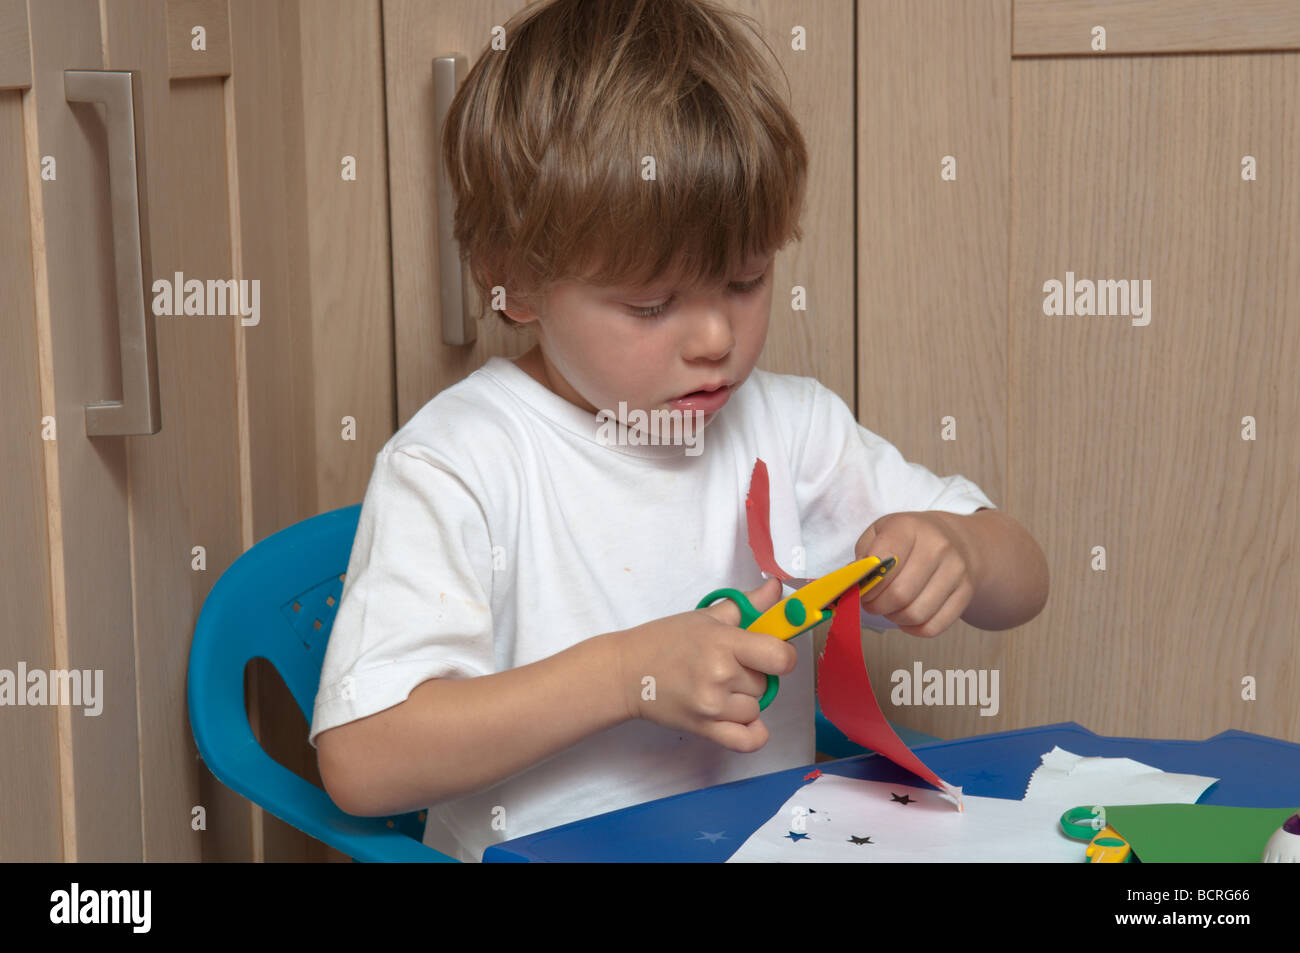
{"x":749,"y":683}
{"x":737,"y":737}
{"x":766,"y":654}
{"x":725,"y":611}
{"x":766,"y":595}
{"x":762,"y":599}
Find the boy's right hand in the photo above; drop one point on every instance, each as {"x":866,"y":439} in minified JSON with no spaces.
{"x":708,"y":672}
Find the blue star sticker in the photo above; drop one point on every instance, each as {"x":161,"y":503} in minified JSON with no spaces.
{"x":796,"y":837}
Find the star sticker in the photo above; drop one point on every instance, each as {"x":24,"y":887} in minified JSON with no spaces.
{"x":813,"y":775}
{"x":859,"y":840}
{"x":796,"y":837}
{"x":905,"y":799}
{"x":985,"y":776}
{"x":712,"y":838}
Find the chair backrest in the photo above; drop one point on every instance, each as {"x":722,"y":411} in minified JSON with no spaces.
{"x":278,"y":601}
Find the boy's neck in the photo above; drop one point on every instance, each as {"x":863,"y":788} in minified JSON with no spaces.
{"x":531,"y":363}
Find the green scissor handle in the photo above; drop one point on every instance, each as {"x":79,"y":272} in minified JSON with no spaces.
{"x":748,"y":615}
{"x":1092,"y":822}
{"x":1089,"y":823}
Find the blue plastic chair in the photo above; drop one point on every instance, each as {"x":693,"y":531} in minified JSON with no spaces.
{"x":277,"y":601}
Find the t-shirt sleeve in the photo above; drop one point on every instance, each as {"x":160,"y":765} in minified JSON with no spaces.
{"x":848,"y":477}
{"x":416,"y":603}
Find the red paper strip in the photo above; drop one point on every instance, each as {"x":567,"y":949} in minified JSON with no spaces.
{"x":843,"y":685}
{"x":844,"y":688}
{"x":756,"y":516}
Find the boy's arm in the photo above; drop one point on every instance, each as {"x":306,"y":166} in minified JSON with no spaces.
{"x":998,"y":570}
{"x":452,"y":736}
{"x":1011,"y":575}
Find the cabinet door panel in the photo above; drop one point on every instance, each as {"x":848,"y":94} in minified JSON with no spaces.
{"x":184,"y":479}
{"x":30,"y":821}
{"x":88,"y":488}
{"x":1130,"y":437}
{"x":933,"y":128}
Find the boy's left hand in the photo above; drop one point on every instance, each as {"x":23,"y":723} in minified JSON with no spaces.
{"x":934,"y":580}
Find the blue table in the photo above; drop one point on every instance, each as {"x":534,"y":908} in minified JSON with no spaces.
{"x":1255,"y":771}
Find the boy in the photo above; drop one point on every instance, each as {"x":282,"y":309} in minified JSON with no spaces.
{"x":519,"y":580}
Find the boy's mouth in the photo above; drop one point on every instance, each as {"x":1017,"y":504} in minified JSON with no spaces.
{"x":708,"y":389}
{"x":707,"y":400}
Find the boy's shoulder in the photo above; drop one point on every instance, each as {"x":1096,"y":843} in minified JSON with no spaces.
{"x":791,"y":400}
{"x":464,"y":420}
{"x":785,"y":388}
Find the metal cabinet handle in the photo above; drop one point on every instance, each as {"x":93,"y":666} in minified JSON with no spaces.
{"x":457,"y":324}
{"x":138,"y":411}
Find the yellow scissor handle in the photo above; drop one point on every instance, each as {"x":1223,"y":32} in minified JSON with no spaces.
{"x":804,"y":609}
{"x":1108,"y":847}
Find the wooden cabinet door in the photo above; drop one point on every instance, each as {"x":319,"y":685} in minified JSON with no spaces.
{"x":1168,"y":438}
{"x":246,"y":113}
{"x":1166,"y":155}
{"x":116,"y":535}
{"x":30,"y":811}
{"x":82,"y":796}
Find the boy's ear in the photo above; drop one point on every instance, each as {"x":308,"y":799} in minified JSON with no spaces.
{"x":520,"y":313}
{"x":519,"y":308}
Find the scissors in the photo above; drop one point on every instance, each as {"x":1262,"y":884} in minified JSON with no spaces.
{"x":1105,"y":845}
{"x":805,"y":608}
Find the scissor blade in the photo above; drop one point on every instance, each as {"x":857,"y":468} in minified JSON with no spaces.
{"x":822,"y":592}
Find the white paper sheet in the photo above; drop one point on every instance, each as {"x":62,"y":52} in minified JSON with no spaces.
{"x":843,"y":820}
{"x":1065,"y":777}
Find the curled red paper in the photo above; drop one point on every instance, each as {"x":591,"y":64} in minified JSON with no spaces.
{"x":756,"y":519}
{"x":843,"y":685}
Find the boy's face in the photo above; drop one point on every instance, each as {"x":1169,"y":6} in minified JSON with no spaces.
{"x":596,"y":350}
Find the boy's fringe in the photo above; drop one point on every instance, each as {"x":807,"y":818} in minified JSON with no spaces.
{"x":545,"y":144}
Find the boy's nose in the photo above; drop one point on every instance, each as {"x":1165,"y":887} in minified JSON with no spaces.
{"x":711,"y":337}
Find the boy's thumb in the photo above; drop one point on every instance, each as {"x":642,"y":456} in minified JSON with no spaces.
{"x":864,"y":542}
{"x":766,"y":595}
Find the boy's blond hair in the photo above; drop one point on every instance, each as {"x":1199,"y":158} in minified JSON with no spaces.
{"x":544,"y":146}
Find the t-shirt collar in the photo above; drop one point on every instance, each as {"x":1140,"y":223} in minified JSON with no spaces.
{"x":555,"y":409}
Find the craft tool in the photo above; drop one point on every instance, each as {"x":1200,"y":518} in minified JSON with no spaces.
{"x":1105,"y":845}
{"x":806,"y":608}
{"x":1284,"y":846}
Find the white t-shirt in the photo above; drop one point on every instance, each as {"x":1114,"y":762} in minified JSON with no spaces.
{"x":498,"y":529}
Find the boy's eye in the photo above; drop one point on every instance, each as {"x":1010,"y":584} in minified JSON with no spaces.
{"x":740,"y":287}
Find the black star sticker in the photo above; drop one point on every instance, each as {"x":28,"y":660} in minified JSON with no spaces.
{"x":904,"y":799}
{"x":859,"y":840}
